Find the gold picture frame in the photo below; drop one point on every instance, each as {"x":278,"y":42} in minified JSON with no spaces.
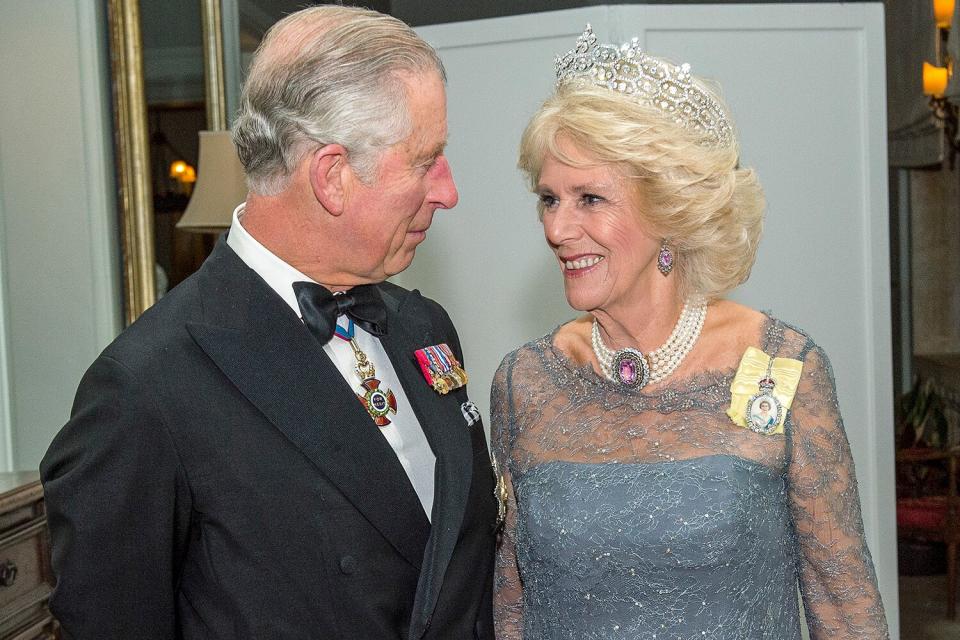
{"x":131,"y":146}
{"x":131,"y":140}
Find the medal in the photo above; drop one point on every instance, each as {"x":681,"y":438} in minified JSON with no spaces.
{"x":499,"y":492}
{"x":440,"y":368}
{"x":378,"y":402}
{"x":762,"y":391}
{"x":763,"y":411}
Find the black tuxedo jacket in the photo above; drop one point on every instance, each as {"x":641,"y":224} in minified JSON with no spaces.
{"x":219,"y":479}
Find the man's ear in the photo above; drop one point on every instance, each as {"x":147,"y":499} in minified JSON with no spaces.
{"x":328,"y":175}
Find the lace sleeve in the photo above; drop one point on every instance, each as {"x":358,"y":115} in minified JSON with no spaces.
{"x":837,"y":578}
{"x":507,"y":591}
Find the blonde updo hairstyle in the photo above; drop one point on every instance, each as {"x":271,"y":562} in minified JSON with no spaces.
{"x":688,"y":192}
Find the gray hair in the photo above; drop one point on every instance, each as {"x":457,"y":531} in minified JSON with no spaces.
{"x":325,"y":75}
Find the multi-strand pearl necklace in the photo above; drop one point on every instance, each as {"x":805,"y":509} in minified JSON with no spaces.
{"x":631,"y":368}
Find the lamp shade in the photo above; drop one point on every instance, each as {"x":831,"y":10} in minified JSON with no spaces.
{"x":221,"y":185}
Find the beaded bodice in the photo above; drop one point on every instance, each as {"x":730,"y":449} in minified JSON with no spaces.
{"x":650,"y":515}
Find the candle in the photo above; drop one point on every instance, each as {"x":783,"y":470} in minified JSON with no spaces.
{"x":934,"y":80}
{"x":943,"y":12}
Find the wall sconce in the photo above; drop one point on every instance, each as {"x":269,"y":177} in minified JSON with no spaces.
{"x":936,"y":78}
{"x":163,"y":155}
{"x":184,"y":174}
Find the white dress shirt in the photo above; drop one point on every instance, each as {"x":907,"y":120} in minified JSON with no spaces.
{"x":404,"y":432}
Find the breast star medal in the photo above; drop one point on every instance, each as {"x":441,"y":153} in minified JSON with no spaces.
{"x":378,"y":402}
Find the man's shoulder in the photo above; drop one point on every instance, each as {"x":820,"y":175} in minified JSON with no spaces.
{"x":208,"y":293}
{"x":160,"y":327}
{"x":411,"y":301}
{"x":394,"y":292}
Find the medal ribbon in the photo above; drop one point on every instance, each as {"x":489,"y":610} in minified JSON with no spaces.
{"x":378,"y":402}
{"x":346,"y":334}
{"x":754,"y":366}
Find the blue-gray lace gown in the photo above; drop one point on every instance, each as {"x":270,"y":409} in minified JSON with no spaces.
{"x":651,"y":515}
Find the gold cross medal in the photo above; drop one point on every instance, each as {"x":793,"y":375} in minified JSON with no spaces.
{"x":378,"y":402}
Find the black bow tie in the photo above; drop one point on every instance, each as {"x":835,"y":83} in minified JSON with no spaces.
{"x":320,"y":309}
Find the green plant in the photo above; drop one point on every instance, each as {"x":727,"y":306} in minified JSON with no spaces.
{"x":922,"y":418}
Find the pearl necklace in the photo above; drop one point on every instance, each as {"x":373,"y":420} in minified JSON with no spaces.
{"x":631,"y":368}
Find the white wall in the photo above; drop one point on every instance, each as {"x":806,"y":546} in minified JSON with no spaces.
{"x":59,"y":296}
{"x":806,"y":87}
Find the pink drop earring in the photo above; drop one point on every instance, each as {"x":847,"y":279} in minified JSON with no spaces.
{"x":665,"y":258}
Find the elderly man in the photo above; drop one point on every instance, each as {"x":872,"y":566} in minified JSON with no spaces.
{"x":283,"y":446}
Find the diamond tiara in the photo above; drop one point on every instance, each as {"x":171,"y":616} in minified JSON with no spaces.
{"x":649,"y":80}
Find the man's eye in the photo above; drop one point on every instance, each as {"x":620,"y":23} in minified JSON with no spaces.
{"x":428,"y":164}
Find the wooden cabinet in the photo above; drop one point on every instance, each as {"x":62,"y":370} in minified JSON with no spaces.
{"x":25,"y":576}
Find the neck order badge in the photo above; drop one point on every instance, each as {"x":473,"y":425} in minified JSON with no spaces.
{"x":378,"y":402}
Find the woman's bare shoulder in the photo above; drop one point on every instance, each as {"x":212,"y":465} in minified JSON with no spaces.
{"x":728,"y":330}
{"x":573,"y":339}
{"x":732,"y":317}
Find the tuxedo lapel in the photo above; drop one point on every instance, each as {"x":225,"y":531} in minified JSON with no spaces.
{"x":273,"y":360}
{"x":446,"y":430}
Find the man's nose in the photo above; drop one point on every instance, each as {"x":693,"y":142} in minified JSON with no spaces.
{"x":443,"y":191}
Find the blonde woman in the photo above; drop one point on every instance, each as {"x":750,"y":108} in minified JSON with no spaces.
{"x":643,"y":501}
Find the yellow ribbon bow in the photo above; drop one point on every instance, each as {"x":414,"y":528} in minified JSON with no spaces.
{"x":745,"y":385}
